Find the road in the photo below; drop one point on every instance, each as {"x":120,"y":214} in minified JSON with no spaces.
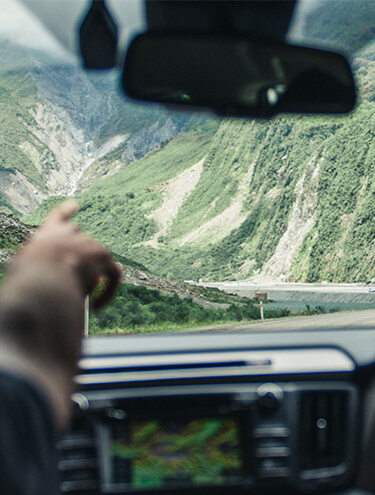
{"x":323,"y":288}
{"x":344,"y":319}
{"x":300,"y":292}
{"x":344,"y":293}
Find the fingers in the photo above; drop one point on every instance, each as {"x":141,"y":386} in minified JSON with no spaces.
{"x":61,"y":240}
{"x":63,"y":212}
{"x":113,"y":276}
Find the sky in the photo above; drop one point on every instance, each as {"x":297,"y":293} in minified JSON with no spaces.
{"x":32,"y":22}
{"x":63,"y":16}
{"x":52,"y":25}
{"x":19,"y":25}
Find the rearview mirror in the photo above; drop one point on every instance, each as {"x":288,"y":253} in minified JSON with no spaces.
{"x":237,"y":76}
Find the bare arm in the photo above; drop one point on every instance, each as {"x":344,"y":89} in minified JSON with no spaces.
{"x":41,"y":305}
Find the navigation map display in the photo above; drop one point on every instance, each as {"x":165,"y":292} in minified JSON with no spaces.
{"x":157,"y":453}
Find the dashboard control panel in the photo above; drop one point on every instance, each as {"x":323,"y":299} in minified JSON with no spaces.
{"x":221,"y":437}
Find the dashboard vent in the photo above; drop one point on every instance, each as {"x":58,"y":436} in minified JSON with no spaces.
{"x":323,"y":421}
{"x":77,"y":462}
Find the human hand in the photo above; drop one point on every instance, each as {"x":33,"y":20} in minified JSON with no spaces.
{"x":61,"y":241}
{"x":41,"y":305}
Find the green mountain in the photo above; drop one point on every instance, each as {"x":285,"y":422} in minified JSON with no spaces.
{"x":61,"y":127}
{"x":290,"y":198}
{"x":194,"y":197}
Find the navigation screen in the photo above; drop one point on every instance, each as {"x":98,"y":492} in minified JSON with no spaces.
{"x":156,"y":453}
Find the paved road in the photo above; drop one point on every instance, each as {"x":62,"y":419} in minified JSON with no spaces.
{"x":344,"y":319}
{"x":340,"y":293}
{"x":324,"y":288}
{"x":300,"y":292}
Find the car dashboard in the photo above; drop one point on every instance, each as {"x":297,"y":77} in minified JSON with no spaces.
{"x":221,"y":412}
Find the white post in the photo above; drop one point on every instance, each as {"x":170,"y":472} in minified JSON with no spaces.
{"x":86,"y":317}
{"x":261,"y":311}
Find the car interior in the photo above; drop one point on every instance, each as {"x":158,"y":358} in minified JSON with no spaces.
{"x":250,"y":412}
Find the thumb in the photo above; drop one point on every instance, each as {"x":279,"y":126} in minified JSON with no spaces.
{"x":63,"y":212}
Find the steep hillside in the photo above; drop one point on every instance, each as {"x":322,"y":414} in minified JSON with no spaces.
{"x":348,"y":26}
{"x":137,"y":280}
{"x":198,"y":198}
{"x":13,"y":234}
{"x":291,"y":198}
{"x":119,"y":209}
{"x":61,"y":128}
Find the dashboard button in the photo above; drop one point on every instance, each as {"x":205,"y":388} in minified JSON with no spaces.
{"x":272,"y":452}
{"x":271,"y":432}
{"x":276,"y":472}
{"x":269,"y":395}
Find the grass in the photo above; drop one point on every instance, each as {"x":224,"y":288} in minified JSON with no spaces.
{"x":160,"y":328}
{"x":299,"y":307}
{"x":272,"y":311}
{"x":138,"y":306}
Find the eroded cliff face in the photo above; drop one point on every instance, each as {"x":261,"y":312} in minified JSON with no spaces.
{"x":20,"y":192}
{"x":129,"y":147}
{"x":287,"y":199}
{"x":301,"y":220}
{"x":66,"y":124}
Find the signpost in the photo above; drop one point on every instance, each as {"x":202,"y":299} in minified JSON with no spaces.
{"x":261,"y":310}
{"x":86,"y":317}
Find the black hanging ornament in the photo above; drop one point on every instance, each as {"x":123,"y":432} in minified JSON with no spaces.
{"x":98,"y":37}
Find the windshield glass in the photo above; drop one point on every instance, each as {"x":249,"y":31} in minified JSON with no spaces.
{"x":215,"y":221}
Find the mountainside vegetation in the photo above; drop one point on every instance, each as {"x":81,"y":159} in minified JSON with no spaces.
{"x":346,"y":26}
{"x":299,"y":182}
{"x":59,"y":121}
{"x":17,"y":97}
{"x":145,"y":302}
{"x":194,"y":196}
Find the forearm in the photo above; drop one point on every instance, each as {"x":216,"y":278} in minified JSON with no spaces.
{"x":41,"y":322}
{"x":42,"y":301}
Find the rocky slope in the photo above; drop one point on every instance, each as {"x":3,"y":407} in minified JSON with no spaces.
{"x":13,"y":234}
{"x":61,"y":128}
{"x":287,"y":199}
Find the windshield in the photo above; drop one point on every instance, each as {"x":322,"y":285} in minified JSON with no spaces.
{"x":216,"y":221}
